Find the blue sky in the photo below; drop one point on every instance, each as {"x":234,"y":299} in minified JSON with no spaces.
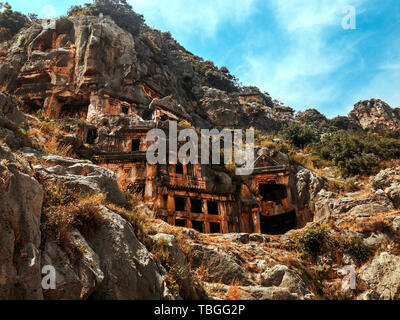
{"x":297,"y":50}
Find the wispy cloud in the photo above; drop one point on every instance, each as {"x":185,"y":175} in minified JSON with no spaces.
{"x":200,"y":18}
{"x":390,"y":66}
{"x":298,"y":75}
{"x":311,"y":15}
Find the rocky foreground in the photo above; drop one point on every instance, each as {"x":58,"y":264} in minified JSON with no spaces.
{"x":105,"y":259}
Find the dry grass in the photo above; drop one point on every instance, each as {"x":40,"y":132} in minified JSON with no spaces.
{"x":54,"y":147}
{"x":309,"y":162}
{"x":64,"y":210}
{"x":375,"y":223}
{"x":234,"y":292}
{"x":343,"y":185}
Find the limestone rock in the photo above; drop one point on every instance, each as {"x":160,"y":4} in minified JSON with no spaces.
{"x":130,"y":273}
{"x":9,"y":109}
{"x":220,"y":265}
{"x":382,"y":275}
{"x":20,"y":208}
{"x":76,"y":277}
{"x":180,"y":260}
{"x":393,"y":193}
{"x":308,"y":184}
{"x":83,"y":176}
{"x":376,"y":116}
{"x":282,"y":277}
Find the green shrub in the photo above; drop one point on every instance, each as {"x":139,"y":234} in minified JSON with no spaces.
{"x":356,"y":154}
{"x":213,"y":76}
{"x":357,"y":248}
{"x":10,"y":21}
{"x":119,"y":10}
{"x":311,"y":240}
{"x":299,"y":135}
{"x":312,"y":116}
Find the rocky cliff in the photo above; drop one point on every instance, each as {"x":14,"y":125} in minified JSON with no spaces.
{"x":67,"y":90}
{"x":376,"y":116}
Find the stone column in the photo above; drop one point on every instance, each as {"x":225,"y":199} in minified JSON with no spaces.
{"x":171,"y":209}
{"x":189,"y":212}
{"x":256,"y":220}
{"x":223,"y":215}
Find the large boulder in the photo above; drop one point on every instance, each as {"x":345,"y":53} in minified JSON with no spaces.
{"x":221,"y":265}
{"x":21,"y":200}
{"x":329,"y":205}
{"x":393,"y":192}
{"x":386,"y":178}
{"x":9,"y":109}
{"x":130,"y":273}
{"x":375,"y":116}
{"x":382,"y":275}
{"x":77,"y":277}
{"x":82,"y":177}
{"x":282,"y":277}
{"x":308,"y":185}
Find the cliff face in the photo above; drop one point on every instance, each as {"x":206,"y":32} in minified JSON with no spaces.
{"x":100,"y":84}
{"x":89,"y":66}
{"x":376,"y":116}
{"x":89,"y":60}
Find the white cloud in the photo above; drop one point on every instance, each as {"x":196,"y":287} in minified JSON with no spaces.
{"x":298,"y":75}
{"x":390,"y":66}
{"x":296,"y":15}
{"x":187,"y":18}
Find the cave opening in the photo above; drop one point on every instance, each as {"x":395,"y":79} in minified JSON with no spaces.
{"x":164,"y":118}
{"x":213,"y":208}
{"x":180,"y":223}
{"x":179,"y":168}
{"x":165,"y":219}
{"x":136,"y":145}
{"x":125,"y":110}
{"x":215,"y":227}
{"x":74,"y":109}
{"x":279,"y":224}
{"x":180,"y":204}
{"x":196,"y":206}
{"x":33,"y":106}
{"x":272,"y":192}
{"x":198,"y":226}
{"x":91,"y":136}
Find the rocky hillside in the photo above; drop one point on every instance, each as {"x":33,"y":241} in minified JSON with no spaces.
{"x":87,"y":58}
{"x":57,"y":207}
{"x":376,"y":116}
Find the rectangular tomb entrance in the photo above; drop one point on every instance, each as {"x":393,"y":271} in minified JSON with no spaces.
{"x":278,"y":224}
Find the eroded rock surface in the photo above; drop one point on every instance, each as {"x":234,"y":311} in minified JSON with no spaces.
{"x":383,"y":276}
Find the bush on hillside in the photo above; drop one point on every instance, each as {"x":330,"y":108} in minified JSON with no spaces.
{"x":10,"y":21}
{"x":356,"y":154}
{"x":119,"y":10}
{"x":299,"y":135}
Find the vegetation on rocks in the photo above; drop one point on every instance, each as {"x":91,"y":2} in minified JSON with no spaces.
{"x":63,"y":209}
{"x":299,"y":135}
{"x":119,"y":10}
{"x":311,"y":240}
{"x":355,"y":154}
{"x":10,"y":21}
